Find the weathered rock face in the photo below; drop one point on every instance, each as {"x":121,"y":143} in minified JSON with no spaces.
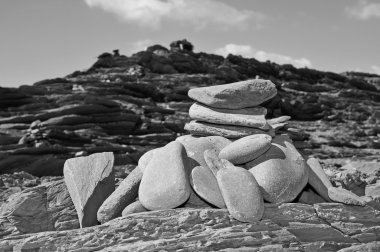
{"x":47,"y":207}
{"x":90,"y":180}
{"x":281,"y":172}
{"x":237,"y":95}
{"x":295,"y":227}
{"x":248,"y":117}
{"x":165,"y":183}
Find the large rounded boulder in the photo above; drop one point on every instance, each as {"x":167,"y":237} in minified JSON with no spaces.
{"x":281,"y":172}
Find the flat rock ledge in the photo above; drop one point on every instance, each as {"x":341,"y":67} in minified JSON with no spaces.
{"x":285,"y":227}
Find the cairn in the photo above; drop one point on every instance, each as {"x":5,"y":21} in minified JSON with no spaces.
{"x":232,"y":159}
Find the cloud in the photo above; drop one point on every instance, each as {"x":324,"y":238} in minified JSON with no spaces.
{"x":250,"y":52}
{"x":200,"y":13}
{"x":140,"y":45}
{"x":364,"y":10}
{"x":376,"y":69}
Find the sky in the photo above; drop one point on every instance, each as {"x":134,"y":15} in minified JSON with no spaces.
{"x":41,"y":39}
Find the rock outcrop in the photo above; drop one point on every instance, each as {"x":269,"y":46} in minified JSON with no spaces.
{"x":130,"y":105}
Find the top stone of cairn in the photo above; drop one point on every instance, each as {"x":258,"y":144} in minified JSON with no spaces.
{"x":242,"y":94}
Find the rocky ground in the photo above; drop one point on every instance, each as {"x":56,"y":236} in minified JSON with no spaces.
{"x":129,"y":105}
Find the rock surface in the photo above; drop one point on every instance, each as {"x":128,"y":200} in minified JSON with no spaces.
{"x":296,"y":227}
{"x":90,"y":180}
{"x":249,"y":93}
{"x":246,"y":149}
{"x":165,"y":183}
{"x":46,"y":207}
{"x":248,"y":117}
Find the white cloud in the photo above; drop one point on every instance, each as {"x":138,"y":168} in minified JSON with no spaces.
{"x":364,"y":10}
{"x":250,"y":52}
{"x":140,"y":45}
{"x":376,"y":69}
{"x":151,"y":13}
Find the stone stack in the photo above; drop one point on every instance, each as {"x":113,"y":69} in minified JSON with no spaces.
{"x":233,"y":159}
{"x":231,"y":110}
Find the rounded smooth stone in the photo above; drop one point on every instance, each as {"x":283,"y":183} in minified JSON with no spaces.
{"x":246,"y":149}
{"x":135,"y":207}
{"x":196,"y":146}
{"x":145,"y":159}
{"x":281,"y":172}
{"x":241,"y":194}
{"x":165,"y":183}
{"x":124,"y":195}
{"x":206,"y":186}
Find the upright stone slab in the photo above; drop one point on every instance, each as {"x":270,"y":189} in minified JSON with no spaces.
{"x":198,"y":128}
{"x":246,"y":149}
{"x":248,"y":117}
{"x":89,"y":180}
{"x":281,"y":172}
{"x":243,"y":94}
{"x":165,"y":183}
{"x":318,"y":178}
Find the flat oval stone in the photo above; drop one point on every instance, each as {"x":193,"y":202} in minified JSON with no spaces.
{"x":199,"y":128}
{"x":196,"y":146}
{"x":248,"y":117}
{"x":246,"y":149}
{"x":124,"y":195}
{"x":206,"y":186}
{"x":241,"y":193}
{"x":281,"y":172}
{"x":243,"y":94}
{"x":134,"y":207}
{"x":165,"y":183}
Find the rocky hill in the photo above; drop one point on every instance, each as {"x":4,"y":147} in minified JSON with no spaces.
{"x":129,"y":105}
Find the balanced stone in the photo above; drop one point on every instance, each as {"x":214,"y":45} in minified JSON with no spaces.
{"x":243,"y":94}
{"x":248,"y":117}
{"x":206,"y":186}
{"x":89,"y":180}
{"x":246,"y":149}
{"x":135,"y":207}
{"x":318,"y":178}
{"x":228,"y":131}
{"x":124,"y":195}
{"x":165,"y":183}
{"x":195,"y":146}
{"x":240,"y":190}
{"x":281,"y":172}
